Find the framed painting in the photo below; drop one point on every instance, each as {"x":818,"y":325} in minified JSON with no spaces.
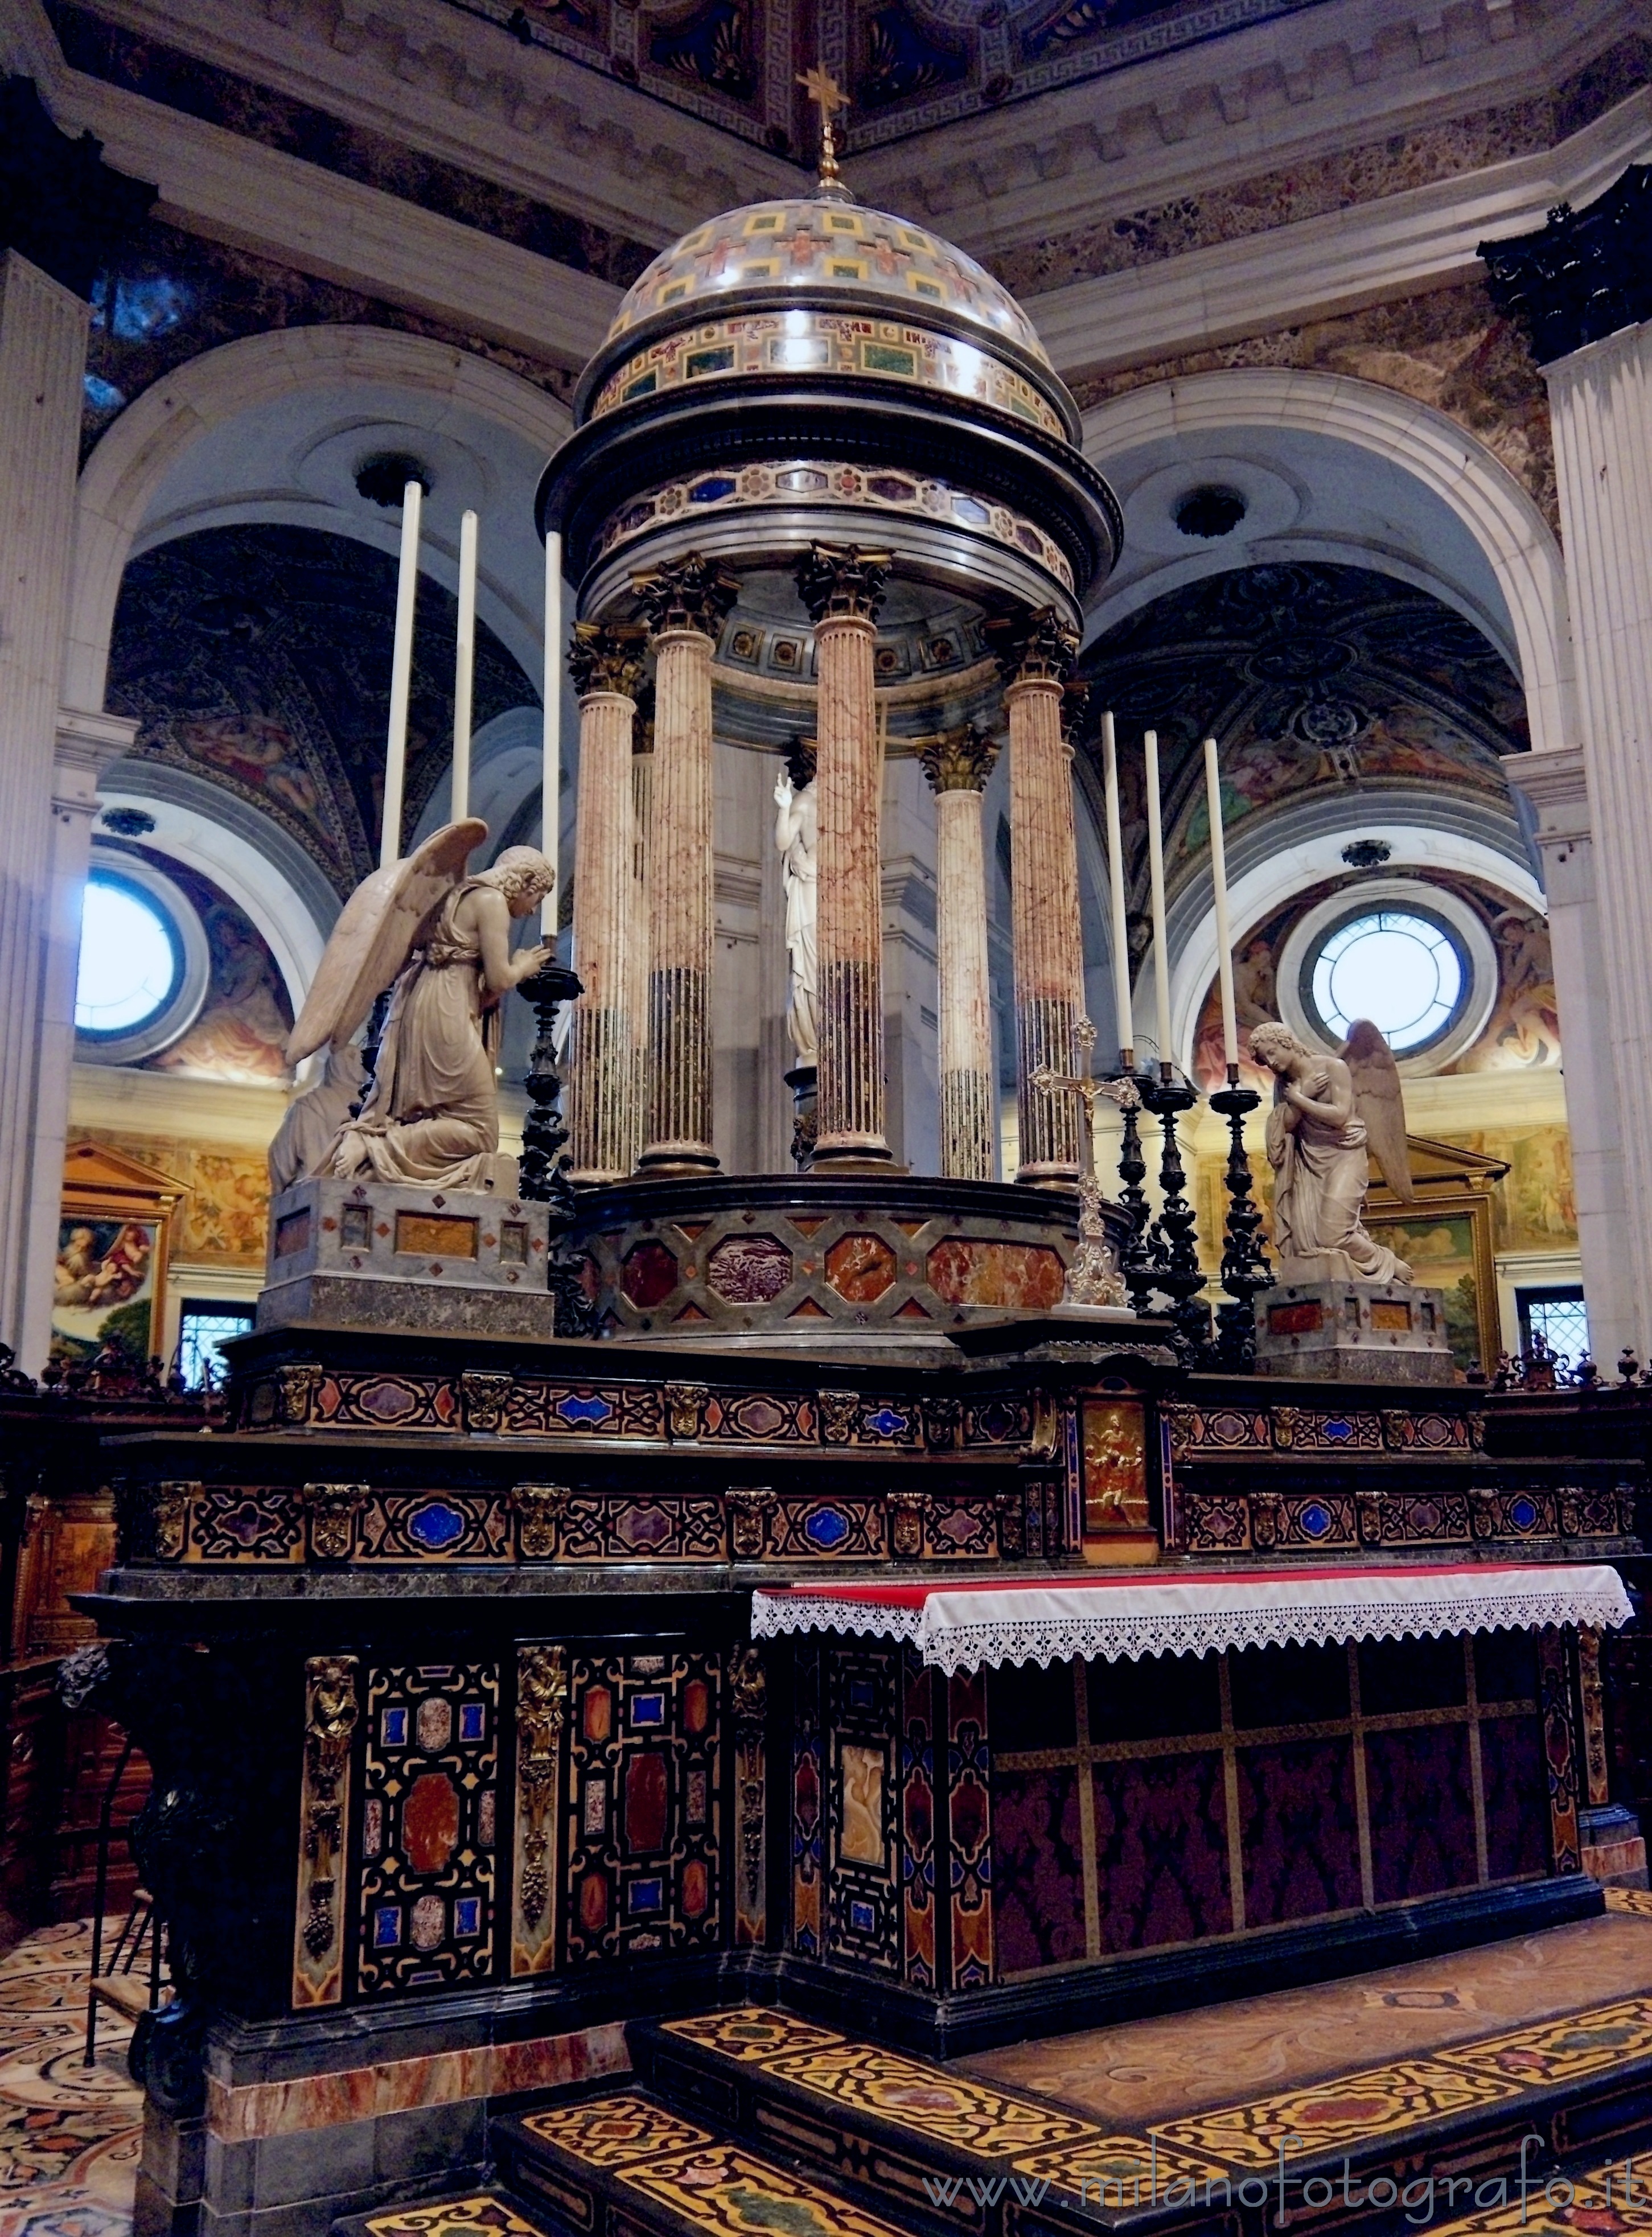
{"x":113,"y":1243}
{"x":1446,"y":1237}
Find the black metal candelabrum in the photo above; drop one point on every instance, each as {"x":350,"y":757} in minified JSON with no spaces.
{"x":1135,"y":1261}
{"x":543,"y":1166}
{"x":1244,"y":1269}
{"x":1175,"y":1250}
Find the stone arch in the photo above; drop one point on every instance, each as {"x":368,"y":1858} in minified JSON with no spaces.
{"x":130,"y":465}
{"x":1518,"y":542}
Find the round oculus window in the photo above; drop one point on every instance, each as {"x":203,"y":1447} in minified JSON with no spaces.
{"x":1402,"y":969}
{"x":131,"y":957}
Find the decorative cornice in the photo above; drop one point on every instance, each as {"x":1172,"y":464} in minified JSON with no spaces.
{"x":1585,"y":275}
{"x":842,"y":582}
{"x":959,"y":760}
{"x":607,"y":658}
{"x":60,"y":206}
{"x":692,"y":593}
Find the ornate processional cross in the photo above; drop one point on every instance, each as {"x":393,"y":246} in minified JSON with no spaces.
{"x":828,"y":97}
{"x":1092,"y":1279}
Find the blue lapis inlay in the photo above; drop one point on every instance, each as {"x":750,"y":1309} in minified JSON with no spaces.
{"x":584,"y":1410}
{"x":435,"y":1525}
{"x":826,"y":1527}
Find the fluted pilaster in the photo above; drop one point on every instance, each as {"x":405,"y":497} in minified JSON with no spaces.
{"x":842,"y":591}
{"x":685,"y":604}
{"x":1601,"y":404}
{"x":607,"y":665}
{"x":1048,"y":939}
{"x":957,"y":765}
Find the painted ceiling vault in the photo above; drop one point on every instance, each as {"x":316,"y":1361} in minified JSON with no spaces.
{"x":259,"y":658}
{"x":1307,"y":675}
{"x":906,"y":66}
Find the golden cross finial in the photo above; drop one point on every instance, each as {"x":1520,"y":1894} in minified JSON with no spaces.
{"x":828,"y":97}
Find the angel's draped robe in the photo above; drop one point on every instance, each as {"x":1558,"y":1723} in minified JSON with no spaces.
{"x":433,"y":1115}
{"x":1322,"y":1173}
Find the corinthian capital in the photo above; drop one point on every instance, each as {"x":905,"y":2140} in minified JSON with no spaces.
{"x":1036,"y":647}
{"x":843,"y":584}
{"x":607,"y":658}
{"x":691,"y":593}
{"x":960,"y":760}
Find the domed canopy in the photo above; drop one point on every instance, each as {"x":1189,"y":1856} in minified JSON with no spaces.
{"x":825,"y":246}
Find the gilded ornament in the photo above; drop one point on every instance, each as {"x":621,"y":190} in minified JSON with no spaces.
{"x":541,"y":1714}
{"x":685,"y":1407}
{"x":538,"y":1508}
{"x":749,"y":1512}
{"x":486,"y":1397}
{"x":332,"y":1508}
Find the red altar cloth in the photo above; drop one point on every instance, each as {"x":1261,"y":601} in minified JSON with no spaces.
{"x":962,"y":1623}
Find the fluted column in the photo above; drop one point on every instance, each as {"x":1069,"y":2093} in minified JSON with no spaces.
{"x":605,"y":664}
{"x":1044,"y":860}
{"x":842,"y":591}
{"x":685,"y":604}
{"x":642,"y":796}
{"x":957,"y":765}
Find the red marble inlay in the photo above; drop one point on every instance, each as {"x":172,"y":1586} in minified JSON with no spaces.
{"x":966,"y":1272}
{"x":645,"y":1803}
{"x":649,"y":1274}
{"x":860,"y":1268}
{"x":749,"y":1270}
{"x":430,"y":1822}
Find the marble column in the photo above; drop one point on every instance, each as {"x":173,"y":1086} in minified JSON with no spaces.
{"x":957,"y":764}
{"x":605,"y":664}
{"x":1044,"y":865}
{"x":842,"y":591}
{"x":642,"y":809}
{"x":686,"y":604}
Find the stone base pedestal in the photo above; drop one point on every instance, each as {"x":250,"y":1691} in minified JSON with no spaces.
{"x":1614,"y":1849}
{"x":1354,"y":1332}
{"x":372,"y":1255}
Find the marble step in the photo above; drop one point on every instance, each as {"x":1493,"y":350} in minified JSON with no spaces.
{"x":621,"y":2164}
{"x":938,"y":2148}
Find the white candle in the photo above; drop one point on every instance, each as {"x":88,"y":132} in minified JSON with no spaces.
{"x":1115,"y":888}
{"x":464,"y":669}
{"x":1156,"y":871}
{"x":551,"y":808}
{"x":396,"y":760}
{"x":1224,"y":930}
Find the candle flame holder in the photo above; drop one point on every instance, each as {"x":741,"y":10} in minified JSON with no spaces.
{"x":1174,"y":1249}
{"x":1245,"y":1270}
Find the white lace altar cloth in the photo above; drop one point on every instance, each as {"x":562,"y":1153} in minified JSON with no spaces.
{"x":964,"y":1623}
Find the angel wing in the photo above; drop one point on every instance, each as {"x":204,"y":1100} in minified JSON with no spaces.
{"x":374,"y":934}
{"x":1378,"y":1100}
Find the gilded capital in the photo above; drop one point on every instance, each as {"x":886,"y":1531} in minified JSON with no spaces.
{"x":1035,"y":647}
{"x":843,"y":584}
{"x":691,"y":593}
{"x":959,"y":760}
{"x":605,"y":656}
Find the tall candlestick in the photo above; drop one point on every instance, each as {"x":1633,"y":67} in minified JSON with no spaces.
{"x":396,"y":760}
{"x":1224,"y":930}
{"x":1156,"y":872}
{"x":551,"y":782}
{"x":464,"y":669}
{"x":1115,"y":888}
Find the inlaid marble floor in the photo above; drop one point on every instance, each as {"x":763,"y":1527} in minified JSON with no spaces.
{"x":1154,"y":2070}
{"x":70,"y":2134}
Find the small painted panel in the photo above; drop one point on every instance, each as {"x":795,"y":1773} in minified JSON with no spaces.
{"x":425,"y":1902}
{"x":1115,"y":1465}
{"x":749,"y":1270}
{"x":966,"y":1271}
